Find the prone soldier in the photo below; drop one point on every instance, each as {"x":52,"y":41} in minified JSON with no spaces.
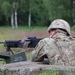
{"x":58,"y":48}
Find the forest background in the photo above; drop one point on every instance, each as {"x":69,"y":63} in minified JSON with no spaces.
{"x":16,"y":13}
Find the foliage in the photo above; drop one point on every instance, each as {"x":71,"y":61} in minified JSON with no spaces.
{"x":6,"y":33}
{"x":59,"y":9}
{"x":43,"y":12}
{"x":6,"y":9}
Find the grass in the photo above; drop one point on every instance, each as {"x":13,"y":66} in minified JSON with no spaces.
{"x":7,"y":33}
{"x":52,"y":72}
{"x":72,"y":28}
{"x":26,"y":28}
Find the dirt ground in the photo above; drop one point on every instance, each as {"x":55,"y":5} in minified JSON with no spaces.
{"x":38,"y":34}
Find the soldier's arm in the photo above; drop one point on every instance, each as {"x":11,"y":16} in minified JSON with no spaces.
{"x":38,"y":53}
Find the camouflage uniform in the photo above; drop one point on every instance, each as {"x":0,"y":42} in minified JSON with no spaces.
{"x":59,"y":49}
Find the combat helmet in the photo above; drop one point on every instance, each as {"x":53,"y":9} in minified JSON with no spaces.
{"x":61,"y":24}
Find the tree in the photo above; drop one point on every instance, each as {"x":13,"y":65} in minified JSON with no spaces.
{"x":35,"y":12}
{"x":73,"y":3}
{"x":15,"y":4}
{"x":6,"y":9}
{"x":38,"y":12}
{"x":59,"y":9}
{"x":14,"y":21}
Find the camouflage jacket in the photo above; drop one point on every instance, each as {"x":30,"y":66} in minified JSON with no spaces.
{"x":60,"y":50}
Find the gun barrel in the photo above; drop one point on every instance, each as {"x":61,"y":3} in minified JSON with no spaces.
{"x":1,"y":42}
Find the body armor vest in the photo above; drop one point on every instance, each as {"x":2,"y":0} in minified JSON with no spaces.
{"x":66,"y":47}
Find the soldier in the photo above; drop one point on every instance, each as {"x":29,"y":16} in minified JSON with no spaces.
{"x":58,"y":48}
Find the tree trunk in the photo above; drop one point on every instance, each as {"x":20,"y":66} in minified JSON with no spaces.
{"x":16,"y":23}
{"x":29,"y":19}
{"x":12,"y":20}
{"x":74,"y":12}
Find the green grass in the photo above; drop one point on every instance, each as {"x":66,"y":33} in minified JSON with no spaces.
{"x":46,"y":73}
{"x":28,"y":54}
{"x":72,"y":28}
{"x":53,"y":72}
{"x":7,"y":33}
{"x":26,"y":28}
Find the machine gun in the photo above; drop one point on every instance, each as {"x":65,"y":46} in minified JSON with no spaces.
{"x":29,"y":42}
